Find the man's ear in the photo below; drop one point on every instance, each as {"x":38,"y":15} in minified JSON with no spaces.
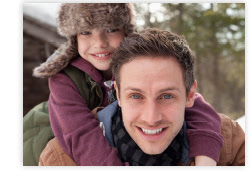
{"x":117,"y":93}
{"x":191,"y":95}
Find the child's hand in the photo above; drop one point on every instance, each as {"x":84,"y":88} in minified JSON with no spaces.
{"x":95,"y":110}
{"x":204,"y":161}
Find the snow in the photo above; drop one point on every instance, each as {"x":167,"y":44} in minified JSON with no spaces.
{"x":241,"y":122}
{"x":44,"y":12}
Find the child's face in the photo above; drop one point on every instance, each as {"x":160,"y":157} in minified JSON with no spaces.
{"x":97,"y":46}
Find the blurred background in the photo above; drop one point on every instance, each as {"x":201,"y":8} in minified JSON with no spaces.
{"x":215,"y":32}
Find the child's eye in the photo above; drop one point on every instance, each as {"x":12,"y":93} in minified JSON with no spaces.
{"x":166,"y":96}
{"x":135,"y":96}
{"x":85,"y":33}
{"x":112,"y":30}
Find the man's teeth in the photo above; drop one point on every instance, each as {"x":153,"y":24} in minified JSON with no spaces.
{"x":102,"y":55}
{"x":155,"y":131}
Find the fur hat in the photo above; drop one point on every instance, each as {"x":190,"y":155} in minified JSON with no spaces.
{"x":74,"y":18}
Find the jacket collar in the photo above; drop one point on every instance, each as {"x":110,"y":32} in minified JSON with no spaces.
{"x":105,"y":116}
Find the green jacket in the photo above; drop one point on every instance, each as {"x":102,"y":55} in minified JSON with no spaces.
{"x":37,"y":131}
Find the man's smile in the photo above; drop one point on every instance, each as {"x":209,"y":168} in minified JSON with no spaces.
{"x":153,"y":134}
{"x":155,"y":131}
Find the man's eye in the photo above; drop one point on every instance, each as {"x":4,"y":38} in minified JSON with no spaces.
{"x":135,"y":96}
{"x":167,"y":96}
{"x":112,"y":30}
{"x":85,"y":33}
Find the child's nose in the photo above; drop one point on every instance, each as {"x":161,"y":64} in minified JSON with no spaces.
{"x":100,"y":40}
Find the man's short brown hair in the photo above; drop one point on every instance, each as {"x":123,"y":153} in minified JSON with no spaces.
{"x":154,"y":43}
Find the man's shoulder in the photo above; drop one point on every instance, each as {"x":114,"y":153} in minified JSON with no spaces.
{"x":105,"y":116}
{"x":233,"y":149}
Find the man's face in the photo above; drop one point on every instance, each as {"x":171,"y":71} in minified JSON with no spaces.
{"x":153,"y":100}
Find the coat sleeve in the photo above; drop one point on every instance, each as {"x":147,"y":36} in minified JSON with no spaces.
{"x":75,"y":127}
{"x":204,"y":129}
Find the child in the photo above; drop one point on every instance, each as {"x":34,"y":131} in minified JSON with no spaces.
{"x":78,"y":73}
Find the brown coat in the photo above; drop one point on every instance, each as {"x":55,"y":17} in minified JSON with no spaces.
{"x":232,"y":152}
{"x":233,"y":149}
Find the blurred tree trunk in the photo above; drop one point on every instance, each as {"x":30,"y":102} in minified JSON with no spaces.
{"x":216,"y":84}
{"x":180,"y":29}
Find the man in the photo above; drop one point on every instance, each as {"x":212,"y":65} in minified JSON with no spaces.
{"x":154,"y":82}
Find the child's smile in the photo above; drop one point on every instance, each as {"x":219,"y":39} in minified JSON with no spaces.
{"x":102,"y":56}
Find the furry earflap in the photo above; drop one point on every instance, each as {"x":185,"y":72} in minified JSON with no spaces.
{"x":59,"y":60}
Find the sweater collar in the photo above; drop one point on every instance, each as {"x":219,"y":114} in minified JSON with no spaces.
{"x":88,"y":68}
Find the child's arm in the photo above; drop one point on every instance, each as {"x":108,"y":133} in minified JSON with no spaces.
{"x":75,"y":127}
{"x":204,"y":161}
{"x":204,"y":132}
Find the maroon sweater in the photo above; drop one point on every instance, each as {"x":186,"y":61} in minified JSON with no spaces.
{"x":79,"y":134}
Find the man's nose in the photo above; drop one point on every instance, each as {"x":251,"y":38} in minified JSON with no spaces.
{"x":151,"y":113}
{"x":100,"y":40}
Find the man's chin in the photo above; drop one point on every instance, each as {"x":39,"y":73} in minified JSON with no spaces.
{"x":152,"y":147}
{"x":153,"y":150}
